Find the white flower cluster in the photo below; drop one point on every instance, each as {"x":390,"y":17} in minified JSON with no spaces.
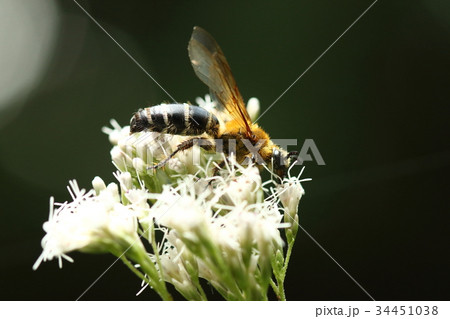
{"x":216,"y":231}
{"x":95,"y":221}
{"x":219,"y":228}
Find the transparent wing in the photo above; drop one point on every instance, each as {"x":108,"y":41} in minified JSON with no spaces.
{"x":211,"y":66}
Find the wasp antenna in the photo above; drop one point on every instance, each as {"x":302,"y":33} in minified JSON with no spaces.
{"x":293,"y":154}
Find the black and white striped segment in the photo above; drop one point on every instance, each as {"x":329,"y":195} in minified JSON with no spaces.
{"x":177,"y":119}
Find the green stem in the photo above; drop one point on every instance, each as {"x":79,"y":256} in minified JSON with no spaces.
{"x":281,"y":275}
{"x":281,"y":295}
{"x":137,"y":254}
{"x":197,"y":285}
{"x":274,"y":287}
{"x":160,"y":286}
{"x":135,"y":271}
{"x":288,"y":255}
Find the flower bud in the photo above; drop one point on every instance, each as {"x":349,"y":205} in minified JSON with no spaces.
{"x":126,"y":182}
{"x":253,"y":108}
{"x":98,"y":184}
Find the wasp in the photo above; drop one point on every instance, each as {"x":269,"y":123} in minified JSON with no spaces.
{"x":234,"y":129}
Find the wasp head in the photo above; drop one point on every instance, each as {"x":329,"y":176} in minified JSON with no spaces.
{"x":282,"y":160}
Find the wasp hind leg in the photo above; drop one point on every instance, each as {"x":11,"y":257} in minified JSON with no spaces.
{"x":206,"y":145}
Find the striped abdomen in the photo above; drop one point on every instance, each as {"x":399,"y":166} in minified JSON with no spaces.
{"x":177,"y":119}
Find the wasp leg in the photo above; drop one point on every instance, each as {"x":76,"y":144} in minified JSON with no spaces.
{"x":185,"y":146}
{"x":218,"y":167}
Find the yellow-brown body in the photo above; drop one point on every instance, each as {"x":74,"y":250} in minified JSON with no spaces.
{"x":233,"y":130}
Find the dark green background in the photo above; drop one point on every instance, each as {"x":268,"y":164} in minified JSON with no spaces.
{"x":376,"y":105}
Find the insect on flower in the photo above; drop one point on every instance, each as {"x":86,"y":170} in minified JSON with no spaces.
{"x":233,"y":129}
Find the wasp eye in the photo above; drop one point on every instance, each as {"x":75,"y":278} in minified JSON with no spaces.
{"x":276,"y":153}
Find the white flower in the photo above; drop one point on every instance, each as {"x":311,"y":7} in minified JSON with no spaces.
{"x":241,"y":184}
{"x":220,"y":239}
{"x":89,"y":223}
{"x":290,"y":192}
{"x":115,"y":133}
{"x":126,"y":183}
{"x":120,"y":159}
{"x":180,"y":209}
{"x":174,"y":269}
{"x":247,"y":225}
{"x":206,"y":103}
{"x":138,"y":201}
